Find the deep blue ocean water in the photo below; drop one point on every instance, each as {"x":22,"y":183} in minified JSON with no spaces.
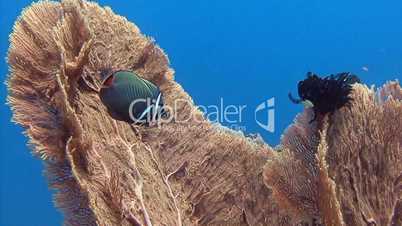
{"x":242,"y":51}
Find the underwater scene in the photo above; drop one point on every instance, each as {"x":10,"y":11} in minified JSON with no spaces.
{"x":141,"y":113}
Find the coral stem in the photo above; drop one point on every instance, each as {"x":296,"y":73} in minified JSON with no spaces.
{"x":166,"y":181}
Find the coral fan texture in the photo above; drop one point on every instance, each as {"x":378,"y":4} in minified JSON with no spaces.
{"x":342,"y":170}
{"x":347,"y":168}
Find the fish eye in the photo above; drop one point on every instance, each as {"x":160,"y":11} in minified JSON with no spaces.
{"x":108,"y":81}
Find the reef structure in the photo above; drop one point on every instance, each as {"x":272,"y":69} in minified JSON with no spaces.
{"x":107,"y":172}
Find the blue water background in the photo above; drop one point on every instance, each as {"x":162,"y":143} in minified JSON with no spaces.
{"x":243,"y":51}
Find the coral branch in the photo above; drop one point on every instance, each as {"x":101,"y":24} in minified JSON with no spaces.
{"x":166,"y":181}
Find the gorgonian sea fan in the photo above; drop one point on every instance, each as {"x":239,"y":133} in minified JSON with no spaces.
{"x":109,"y":173}
{"x":349,"y":167}
{"x":105,"y":171}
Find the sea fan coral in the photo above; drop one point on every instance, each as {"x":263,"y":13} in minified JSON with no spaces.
{"x":108,"y":172}
{"x":353,"y":162}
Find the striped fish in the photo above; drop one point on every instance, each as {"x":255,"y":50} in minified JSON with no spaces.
{"x":131,"y":98}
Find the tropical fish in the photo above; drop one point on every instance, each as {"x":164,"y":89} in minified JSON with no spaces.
{"x":130,"y":98}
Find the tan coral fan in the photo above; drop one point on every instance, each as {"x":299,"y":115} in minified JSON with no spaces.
{"x":110,"y":173}
{"x":356,"y":179}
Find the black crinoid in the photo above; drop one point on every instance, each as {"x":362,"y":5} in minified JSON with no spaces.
{"x":326,"y":94}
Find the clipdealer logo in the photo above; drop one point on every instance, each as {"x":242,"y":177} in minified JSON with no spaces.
{"x":269,"y":107}
{"x":228,"y":114}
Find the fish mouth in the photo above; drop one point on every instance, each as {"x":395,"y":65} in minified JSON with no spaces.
{"x":107,"y":81}
{"x":306,"y":103}
{"x":105,"y":74}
